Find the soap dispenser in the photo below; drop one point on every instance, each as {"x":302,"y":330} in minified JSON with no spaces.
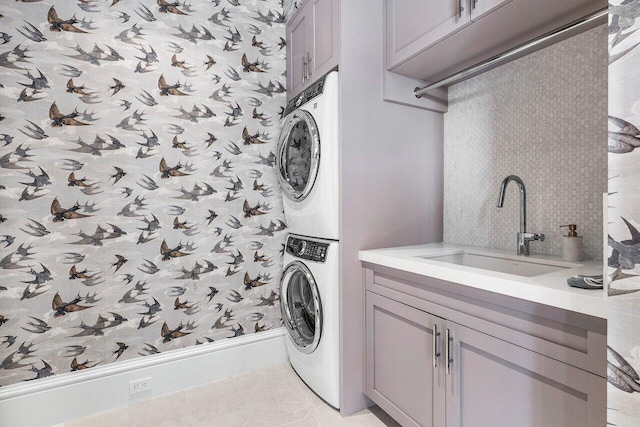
{"x":572,"y":249}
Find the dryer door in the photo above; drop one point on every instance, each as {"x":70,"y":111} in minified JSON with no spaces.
{"x":301,"y":306}
{"x":298,"y":156}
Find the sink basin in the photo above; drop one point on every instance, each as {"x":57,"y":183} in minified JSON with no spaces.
{"x":516,"y":266}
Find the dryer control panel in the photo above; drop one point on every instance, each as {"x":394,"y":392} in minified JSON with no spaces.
{"x":307,"y":249}
{"x":307,"y":95}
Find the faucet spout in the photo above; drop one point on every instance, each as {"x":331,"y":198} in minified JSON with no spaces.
{"x":523,"y":237}
{"x":523,"y":199}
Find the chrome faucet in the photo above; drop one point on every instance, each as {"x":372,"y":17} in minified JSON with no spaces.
{"x":523,"y":237}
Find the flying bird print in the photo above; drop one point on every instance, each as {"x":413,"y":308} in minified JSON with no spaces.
{"x":165,"y":7}
{"x":58,"y":24}
{"x":37,"y":82}
{"x":60,"y":214}
{"x":99,"y":188}
{"x":120,"y":173}
{"x":250,"y":66}
{"x":117,"y":87}
{"x":167,"y":253}
{"x":30,"y":31}
{"x":61,"y":308}
{"x":625,"y":139}
{"x":120,"y":261}
{"x":250,"y":283}
{"x":250,"y":211}
{"x":72,"y":88}
{"x":168,"y":334}
{"x":166,"y":90}
{"x":120,"y":350}
{"x":75,"y":274}
{"x":168,"y":172}
{"x":58,"y":119}
{"x":75,"y":366}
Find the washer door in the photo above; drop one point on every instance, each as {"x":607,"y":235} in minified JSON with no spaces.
{"x":301,"y":307}
{"x":298,"y":156}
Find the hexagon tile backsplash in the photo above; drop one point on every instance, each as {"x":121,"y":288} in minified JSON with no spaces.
{"x":543,"y":118}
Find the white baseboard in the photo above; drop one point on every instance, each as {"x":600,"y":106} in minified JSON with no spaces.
{"x":74,"y":395}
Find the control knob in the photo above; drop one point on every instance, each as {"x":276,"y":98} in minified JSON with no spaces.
{"x":301,"y":246}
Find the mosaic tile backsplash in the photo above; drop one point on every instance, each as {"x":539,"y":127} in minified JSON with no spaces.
{"x":542,"y":117}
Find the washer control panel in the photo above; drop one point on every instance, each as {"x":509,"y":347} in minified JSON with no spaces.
{"x":307,"y":249}
{"x":306,"y":95}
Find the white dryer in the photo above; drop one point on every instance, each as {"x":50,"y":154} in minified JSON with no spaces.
{"x":307,"y":160}
{"x":309,"y":301}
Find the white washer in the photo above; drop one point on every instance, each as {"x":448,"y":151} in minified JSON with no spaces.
{"x":309,"y":303}
{"x":307,"y":160}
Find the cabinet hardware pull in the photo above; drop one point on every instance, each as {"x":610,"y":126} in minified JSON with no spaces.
{"x":460,"y":8}
{"x":447,"y":343}
{"x":474,"y":4}
{"x":436,"y":354}
{"x":304,"y":68}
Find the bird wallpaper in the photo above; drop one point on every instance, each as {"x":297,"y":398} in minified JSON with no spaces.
{"x":139,"y":204}
{"x":623,"y":251}
{"x":292,"y":6}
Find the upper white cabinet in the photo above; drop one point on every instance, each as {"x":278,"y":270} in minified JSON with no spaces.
{"x":312,"y":44}
{"x":479,"y":8}
{"x":414,"y":25}
{"x":297,"y":48}
{"x":431,"y":39}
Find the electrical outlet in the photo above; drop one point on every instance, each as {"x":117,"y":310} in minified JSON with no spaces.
{"x":140,"y":386}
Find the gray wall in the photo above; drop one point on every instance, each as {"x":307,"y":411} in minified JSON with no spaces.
{"x":391,"y":175}
{"x":542,"y":117}
{"x":92,"y":333}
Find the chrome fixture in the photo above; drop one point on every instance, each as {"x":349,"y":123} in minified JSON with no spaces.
{"x":537,"y":43}
{"x":523,"y":237}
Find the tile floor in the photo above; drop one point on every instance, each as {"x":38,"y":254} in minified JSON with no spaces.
{"x":273,"y":396}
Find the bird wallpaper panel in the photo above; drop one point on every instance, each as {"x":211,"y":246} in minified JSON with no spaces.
{"x":623,"y":353}
{"x":139,"y":204}
{"x":292,"y":6}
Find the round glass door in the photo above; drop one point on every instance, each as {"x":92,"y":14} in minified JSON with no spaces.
{"x":298,"y":155}
{"x":301,"y":306}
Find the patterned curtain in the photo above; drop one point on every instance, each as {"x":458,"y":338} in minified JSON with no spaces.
{"x":623,"y":252}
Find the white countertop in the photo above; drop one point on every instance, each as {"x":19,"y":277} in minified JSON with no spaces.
{"x":550,"y":289}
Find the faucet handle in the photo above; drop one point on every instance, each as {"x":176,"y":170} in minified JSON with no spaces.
{"x":533,"y":236}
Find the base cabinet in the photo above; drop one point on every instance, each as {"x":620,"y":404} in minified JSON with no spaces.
{"x":403,"y":346}
{"x":498,"y":384}
{"x":425,"y":370}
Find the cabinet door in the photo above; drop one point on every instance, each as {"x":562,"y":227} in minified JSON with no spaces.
{"x":324,"y":37}
{"x":401,"y":377}
{"x":415,"y":25}
{"x":493,"y":383}
{"x":297,"y":42}
{"x":479,"y":8}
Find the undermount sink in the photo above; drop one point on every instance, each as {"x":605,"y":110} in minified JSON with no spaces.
{"x":518,"y":267}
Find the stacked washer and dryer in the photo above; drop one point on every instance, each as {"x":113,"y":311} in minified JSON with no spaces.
{"x":307,"y":161}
